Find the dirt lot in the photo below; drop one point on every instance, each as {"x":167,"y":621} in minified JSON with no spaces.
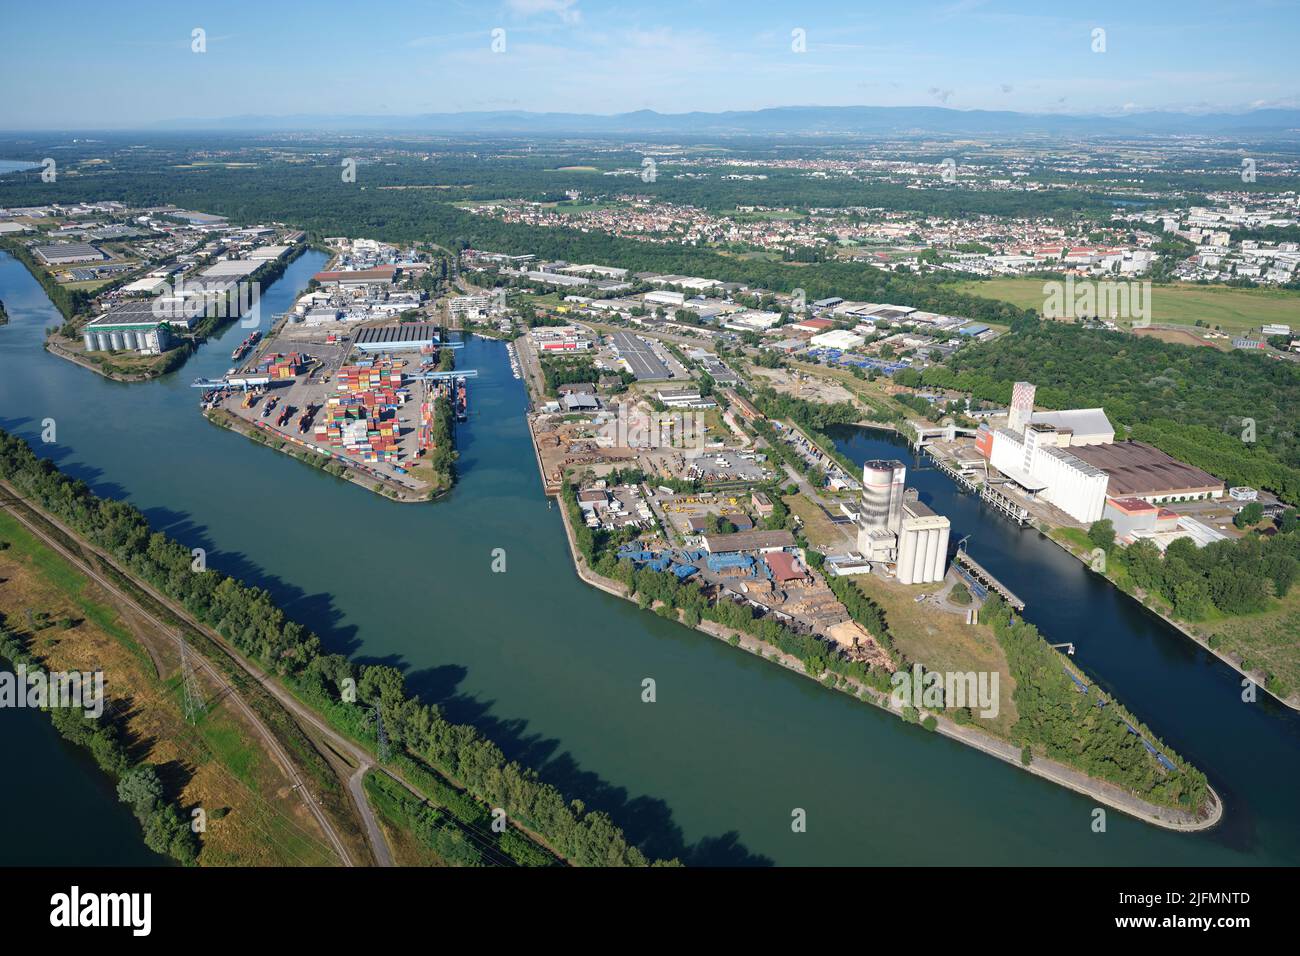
{"x":942,"y":641}
{"x":1185,"y":337}
{"x":809,"y":387}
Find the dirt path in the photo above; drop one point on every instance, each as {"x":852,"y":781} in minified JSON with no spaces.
{"x":272,"y":743}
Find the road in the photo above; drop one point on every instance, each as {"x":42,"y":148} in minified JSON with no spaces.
{"x":373,"y":834}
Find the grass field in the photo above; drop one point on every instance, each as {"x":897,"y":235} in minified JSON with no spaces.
{"x":769,"y":215}
{"x":941,"y":641}
{"x":1269,"y":640}
{"x":407,"y":850}
{"x":581,"y":207}
{"x":254,"y":818}
{"x":817,"y":528}
{"x":1233,"y":310}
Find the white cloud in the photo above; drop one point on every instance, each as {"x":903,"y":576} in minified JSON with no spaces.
{"x":566,"y":10}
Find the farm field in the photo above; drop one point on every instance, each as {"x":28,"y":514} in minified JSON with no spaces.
{"x":1233,"y":310}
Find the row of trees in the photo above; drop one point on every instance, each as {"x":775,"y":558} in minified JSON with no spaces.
{"x":138,"y":784}
{"x":443,"y":455}
{"x":249,"y":619}
{"x":1084,"y":730}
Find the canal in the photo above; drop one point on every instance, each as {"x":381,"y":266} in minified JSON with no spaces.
{"x":552,"y":669}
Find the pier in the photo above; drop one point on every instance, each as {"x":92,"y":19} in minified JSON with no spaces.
{"x":965,"y":482}
{"x":974,"y":571}
{"x":1001,"y":502}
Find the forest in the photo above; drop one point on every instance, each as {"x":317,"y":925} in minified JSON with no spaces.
{"x":312,"y":197}
{"x":1230,"y":578}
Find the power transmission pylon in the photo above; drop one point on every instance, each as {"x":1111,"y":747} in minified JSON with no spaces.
{"x":191,"y":693}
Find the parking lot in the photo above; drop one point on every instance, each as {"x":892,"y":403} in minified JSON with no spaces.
{"x":644,"y":363}
{"x":727,"y":466}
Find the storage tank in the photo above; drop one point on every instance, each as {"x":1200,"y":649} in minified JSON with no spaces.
{"x":91,"y":341}
{"x":128,"y":339}
{"x":882,"y":493}
{"x":115,"y":340}
{"x":905,"y":566}
{"x":931,"y":554}
{"x":103,"y":340}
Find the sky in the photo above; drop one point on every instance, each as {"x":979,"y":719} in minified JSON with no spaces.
{"x":133,"y":63}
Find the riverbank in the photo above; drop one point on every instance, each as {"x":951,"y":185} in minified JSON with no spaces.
{"x":55,"y":345}
{"x":320,"y":689}
{"x":1109,"y":794}
{"x":285,"y":721}
{"x":226,"y":761}
{"x":1233,"y":661}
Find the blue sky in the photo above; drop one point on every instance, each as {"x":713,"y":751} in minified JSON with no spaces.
{"x":104,"y":65}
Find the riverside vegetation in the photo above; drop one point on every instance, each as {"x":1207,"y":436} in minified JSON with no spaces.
{"x":424,"y":744}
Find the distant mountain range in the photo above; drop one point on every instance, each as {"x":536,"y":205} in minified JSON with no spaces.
{"x":780,"y":121}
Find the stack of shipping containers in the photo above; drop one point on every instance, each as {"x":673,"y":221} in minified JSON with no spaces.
{"x":363,"y":420}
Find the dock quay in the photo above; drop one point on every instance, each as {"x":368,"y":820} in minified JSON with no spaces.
{"x":976,"y":574}
{"x":552,"y":484}
{"x":985,"y":488}
{"x":1009,"y":507}
{"x":963,"y":481}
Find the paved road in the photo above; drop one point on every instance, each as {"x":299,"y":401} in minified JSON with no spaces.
{"x":374,"y":836}
{"x":377,"y":843}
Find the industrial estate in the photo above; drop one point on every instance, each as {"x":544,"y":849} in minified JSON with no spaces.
{"x":574,"y":490}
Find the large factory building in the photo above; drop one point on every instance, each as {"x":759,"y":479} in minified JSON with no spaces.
{"x":131,"y":327}
{"x":922,"y":545}
{"x":1070,"y":459}
{"x":1039,"y":462}
{"x":896,"y":527}
{"x":1043,"y":453}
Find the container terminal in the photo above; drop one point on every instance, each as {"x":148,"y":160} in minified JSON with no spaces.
{"x":365,"y":398}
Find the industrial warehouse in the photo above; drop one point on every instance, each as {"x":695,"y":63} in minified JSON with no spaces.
{"x":132,"y":326}
{"x":1070,"y":460}
{"x":766,"y":571}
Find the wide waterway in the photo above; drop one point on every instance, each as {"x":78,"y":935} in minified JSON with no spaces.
{"x":552,"y":668}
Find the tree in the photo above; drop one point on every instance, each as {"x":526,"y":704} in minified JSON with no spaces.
{"x":141,"y":790}
{"x":1102,"y":534}
{"x":1249,"y":516}
{"x":1281,"y":570}
{"x":1191,"y":598}
{"x":960,"y":594}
